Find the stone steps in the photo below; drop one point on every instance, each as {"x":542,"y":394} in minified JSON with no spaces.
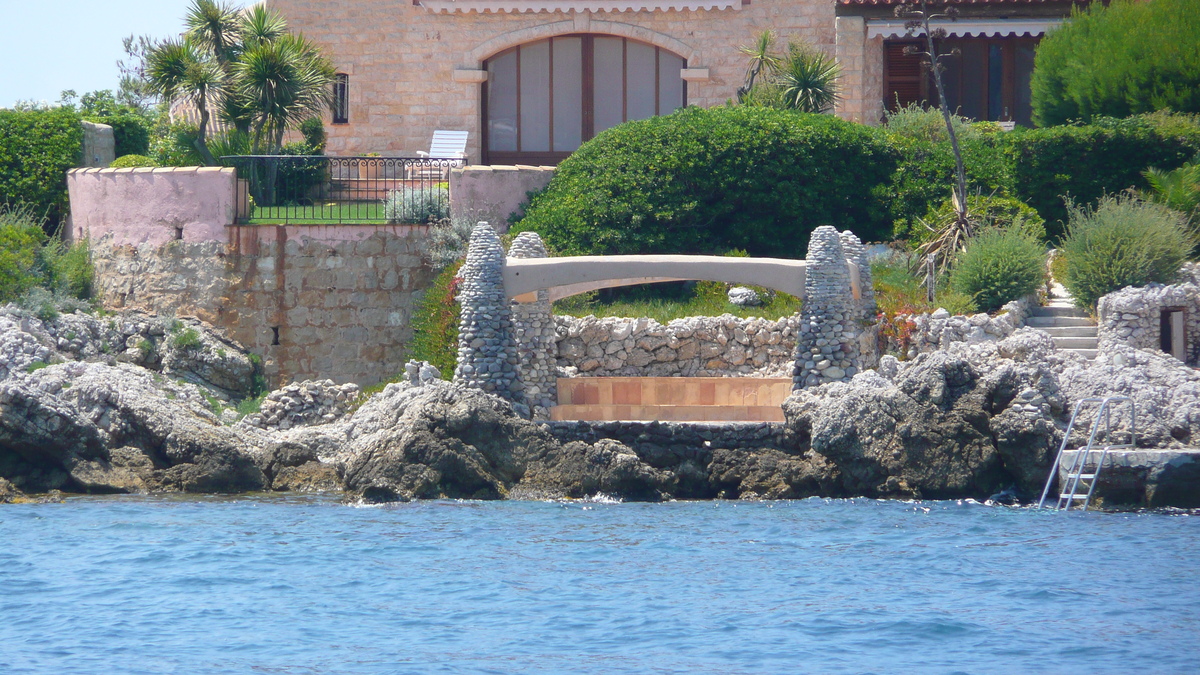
{"x":1070,"y":327}
{"x":1069,"y":331}
{"x":1076,"y":342}
{"x":1044,"y":322}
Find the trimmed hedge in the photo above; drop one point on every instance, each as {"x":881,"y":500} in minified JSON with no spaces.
{"x":1119,"y":60}
{"x":132,"y":161}
{"x":708,"y":180}
{"x":1087,"y":162}
{"x":37,"y":148}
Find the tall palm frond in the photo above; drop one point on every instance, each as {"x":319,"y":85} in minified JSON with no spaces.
{"x":285,"y":82}
{"x":215,"y":27}
{"x":809,"y":78}
{"x":762,"y":58}
{"x":1178,"y":189}
{"x":178,"y":70}
{"x":260,"y":24}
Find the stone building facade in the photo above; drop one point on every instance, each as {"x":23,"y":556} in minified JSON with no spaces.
{"x":531,"y":79}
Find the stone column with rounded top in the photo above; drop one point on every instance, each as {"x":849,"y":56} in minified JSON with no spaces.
{"x":827,"y":348}
{"x":486,"y":357}
{"x":856,"y":253}
{"x":534,"y":337}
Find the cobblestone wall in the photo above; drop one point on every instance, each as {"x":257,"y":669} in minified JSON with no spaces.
{"x":534,"y":334}
{"x":828,"y":348}
{"x":702,"y":346}
{"x":1133,"y":316}
{"x":315,"y":302}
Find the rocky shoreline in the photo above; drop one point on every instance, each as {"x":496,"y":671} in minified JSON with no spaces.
{"x":141,"y":405}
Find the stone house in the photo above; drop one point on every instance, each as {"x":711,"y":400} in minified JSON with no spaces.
{"x":532,"y":79}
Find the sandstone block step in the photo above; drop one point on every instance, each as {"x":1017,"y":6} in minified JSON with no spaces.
{"x":1071,"y":331}
{"x":1089,"y":354}
{"x":1075,"y":342}
{"x":673,"y":391}
{"x":1057,"y":321}
{"x":1058,"y":310}
{"x":668,"y":413}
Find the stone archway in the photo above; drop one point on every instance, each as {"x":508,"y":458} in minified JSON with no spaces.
{"x":506,"y":333}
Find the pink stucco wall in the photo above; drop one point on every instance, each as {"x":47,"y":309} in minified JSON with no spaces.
{"x":152,"y":206}
{"x":493,"y":193}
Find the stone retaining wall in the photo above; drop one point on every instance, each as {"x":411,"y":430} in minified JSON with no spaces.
{"x":494,"y":193}
{"x":315,"y":302}
{"x":937,"y":331}
{"x":720,"y":346}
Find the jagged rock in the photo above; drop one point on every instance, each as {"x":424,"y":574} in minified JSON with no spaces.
{"x":744,"y":297}
{"x":304,"y":403}
{"x":9,"y":494}
{"x":448,"y":441}
{"x":200,"y":356}
{"x":771,"y":474}
{"x":606,"y":467}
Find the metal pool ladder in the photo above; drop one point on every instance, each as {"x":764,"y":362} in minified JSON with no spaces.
{"x":1079,"y":486}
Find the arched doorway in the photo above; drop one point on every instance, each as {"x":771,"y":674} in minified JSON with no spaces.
{"x":543,"y":99}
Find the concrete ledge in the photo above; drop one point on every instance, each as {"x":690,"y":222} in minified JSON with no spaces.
{"x":1150,"y":478}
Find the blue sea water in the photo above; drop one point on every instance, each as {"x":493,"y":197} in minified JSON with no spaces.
{"x":307,"y":585}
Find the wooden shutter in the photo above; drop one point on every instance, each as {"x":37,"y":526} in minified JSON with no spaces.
{"x":903,"y":76}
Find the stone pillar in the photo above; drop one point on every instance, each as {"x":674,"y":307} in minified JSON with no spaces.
{"x":850,"y":51}
{"x":857,"y":253}
{"x":827,"y":343}
{"x":486,"y":359}
{"x":534,"y":335}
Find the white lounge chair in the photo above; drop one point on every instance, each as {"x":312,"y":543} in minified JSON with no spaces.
{"x":446,"y":145}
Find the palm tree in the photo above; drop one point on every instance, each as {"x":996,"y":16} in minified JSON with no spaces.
{"x":284,"y":82}
{"x":215,"y":27}
{"x":178,"y":70}
{"x":809,"y":79}
{"x":762,"y":58}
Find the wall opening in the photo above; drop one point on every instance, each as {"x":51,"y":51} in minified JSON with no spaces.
{"x":1173,"y":332}
{"x":274,"y":336}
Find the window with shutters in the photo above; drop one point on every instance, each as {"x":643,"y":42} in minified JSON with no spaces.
{"x":985,"y":78}
{"x":543,"y":99}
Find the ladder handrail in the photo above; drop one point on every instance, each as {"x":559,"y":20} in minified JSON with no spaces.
{"x":1079,"y":461}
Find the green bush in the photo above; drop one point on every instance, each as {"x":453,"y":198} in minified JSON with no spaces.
{"x":21,"y":241}
{"x":131,"y":132}
{"x":1087,"y":162}
{"x":708,"y":180}
{"x":986,"y":212}
{"x":925,"y":174}
{"x":1000,"y":265}
{"x":417,"y":205}
{"x":132,"y":161}
{"x":435,"y":323}
{"x":1121,"y":242}
{"x":69,"y":268}
{"x":37,"y":148}
{"x":173,"y":144}
{"x":1118,"y":60}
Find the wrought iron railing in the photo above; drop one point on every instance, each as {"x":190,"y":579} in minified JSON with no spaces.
{"x":313,"y":189}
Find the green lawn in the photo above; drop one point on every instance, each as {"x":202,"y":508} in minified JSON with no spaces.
{"x":331,"y":213}
{"x":707,"y":299}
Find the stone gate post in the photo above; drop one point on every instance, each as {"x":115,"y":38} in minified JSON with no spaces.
{"x":486,"y":358}
{"x":830,"y":319}
{"x":534,"y":337}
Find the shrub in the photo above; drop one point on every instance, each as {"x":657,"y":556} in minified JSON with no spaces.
{"x":1118,"y":60}
{"x":1000,"y":265}
{"x":1121,"y":242}
{"x":37,"y":148}
{"x":69,"y":269}
{"x":418,"y":205}
{"x":435,"y":322}
{"x":985,"y":212}
{"x":1087,"y":162}
{"x":447,"y":242}
{"x":132,"y":161}
{"x":1178,"y":189}
{"x":925,"y":174}
{"x":295,"y":180}
{"x":173,"y":144}
{"x":131,"y":132}
{"x":186,"y":339}
{"x":21,"y":240}
{"x":708,"y":180}
{"x":313,"y":131}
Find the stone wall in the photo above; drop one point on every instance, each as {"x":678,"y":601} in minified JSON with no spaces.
{"x":99,"y":145}
{"x":413,"y":70}
{"x":940,"y":329}
{"x":494,"y":193}
{"x":721,"y":346}
{"x":1132,"y":316}
{"x":315,"y":302}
